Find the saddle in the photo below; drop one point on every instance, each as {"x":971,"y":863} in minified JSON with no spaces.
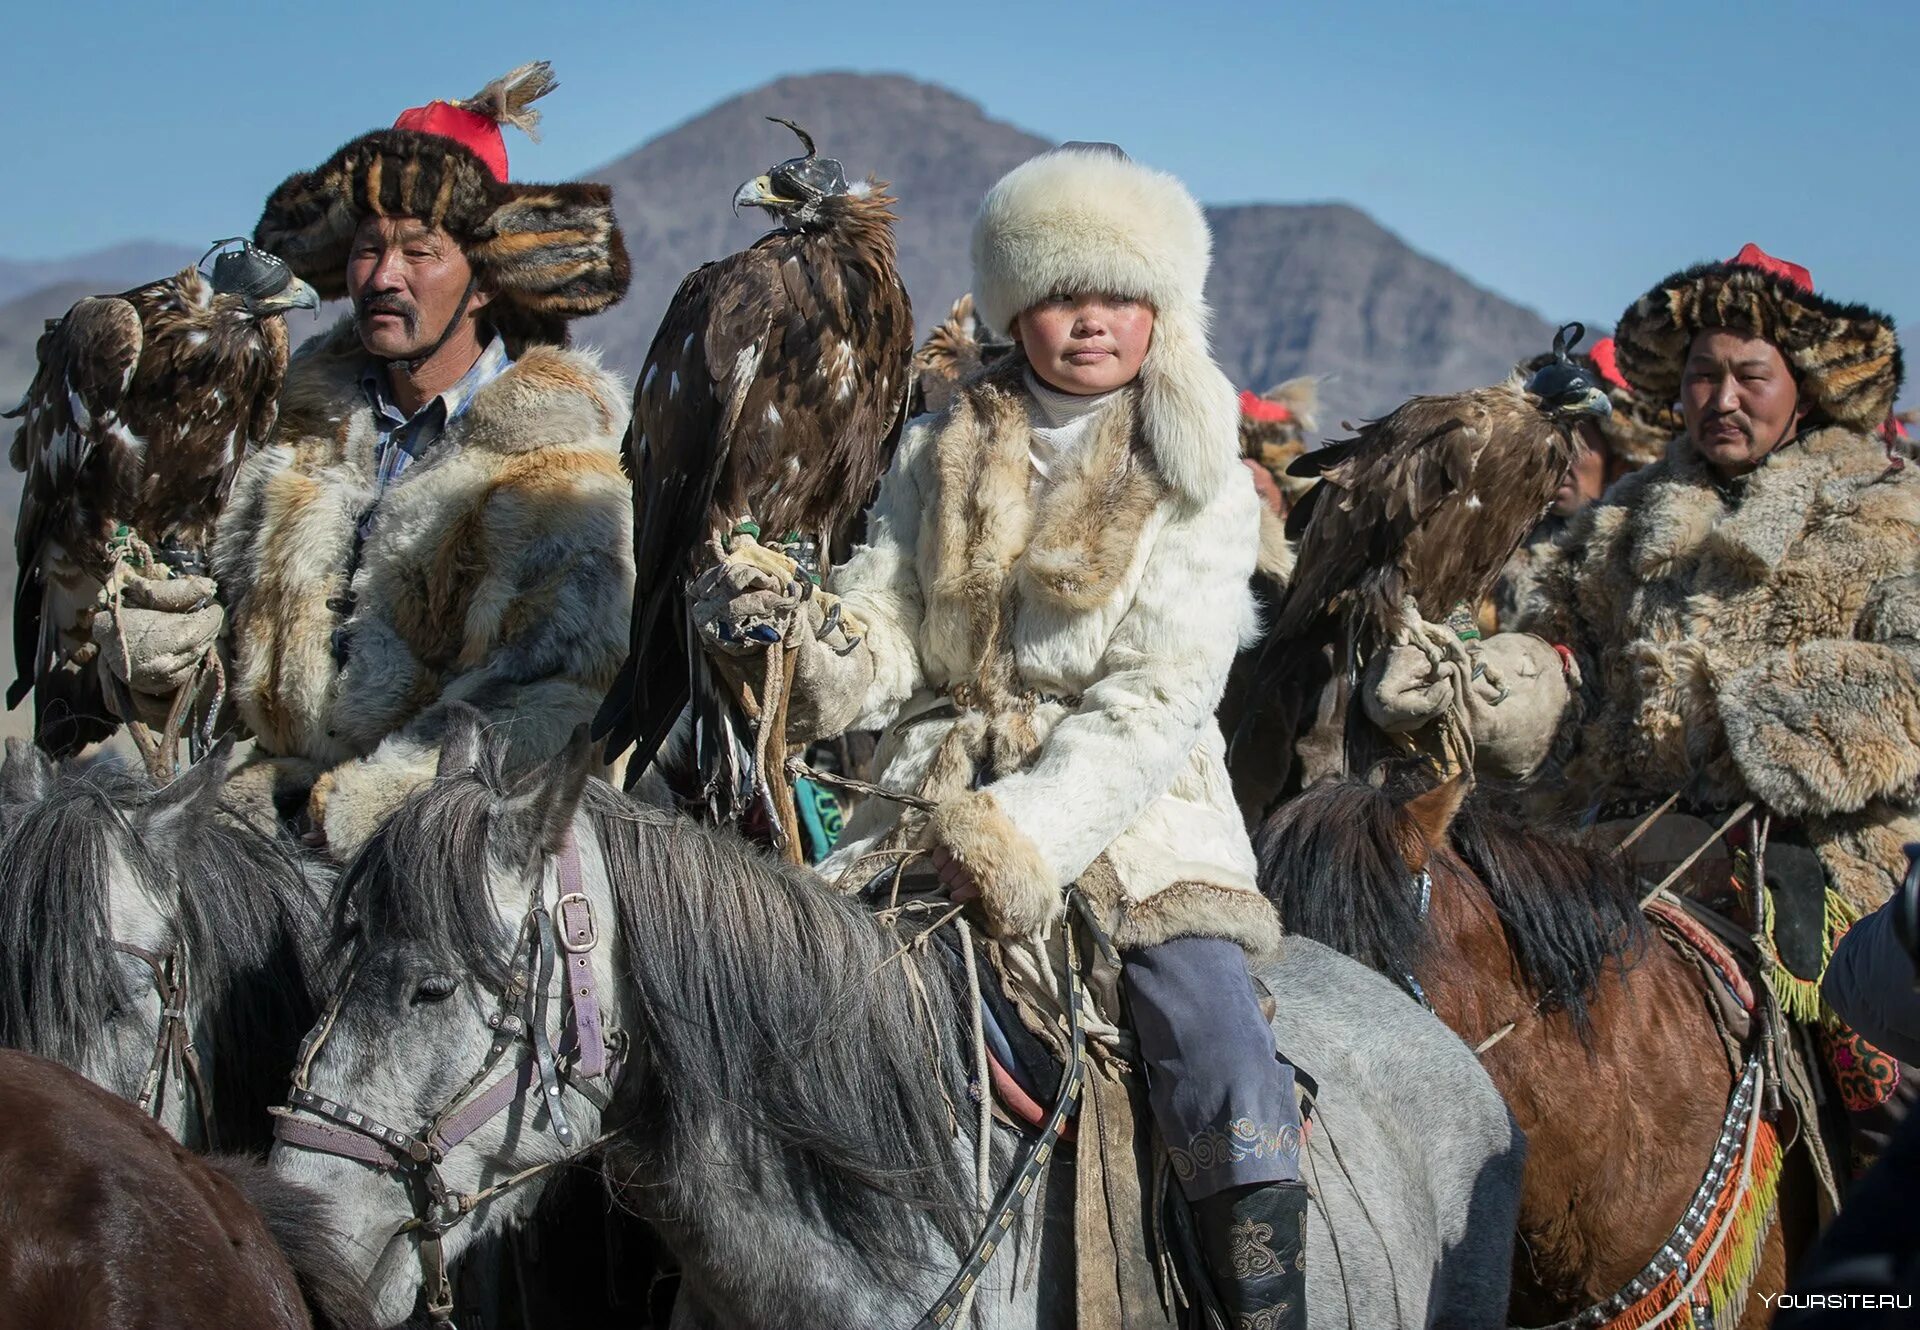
{"x":1137,"y":1254}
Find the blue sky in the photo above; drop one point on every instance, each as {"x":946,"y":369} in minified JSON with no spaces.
{"x":1564,"y":155}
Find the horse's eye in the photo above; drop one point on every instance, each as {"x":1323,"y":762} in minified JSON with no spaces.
{"x":435,"y":988}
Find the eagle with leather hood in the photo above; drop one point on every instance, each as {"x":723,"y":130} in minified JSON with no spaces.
{"x":388,"y":557}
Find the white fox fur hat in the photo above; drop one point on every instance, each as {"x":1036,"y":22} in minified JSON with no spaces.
{"x":1085,"y":217}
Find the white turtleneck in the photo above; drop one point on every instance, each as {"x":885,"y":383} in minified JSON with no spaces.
{"x":1061,"y":423}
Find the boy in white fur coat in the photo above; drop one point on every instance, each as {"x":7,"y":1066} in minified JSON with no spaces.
{"x":1054,"y":585}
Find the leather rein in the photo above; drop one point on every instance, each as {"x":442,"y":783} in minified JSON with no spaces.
{"x":586,"y":1058}
{"x":174,"y":1058}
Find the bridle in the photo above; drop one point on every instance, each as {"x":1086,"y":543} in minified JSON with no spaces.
{"x":174,"y":1059}
{"x":586,"y":1058}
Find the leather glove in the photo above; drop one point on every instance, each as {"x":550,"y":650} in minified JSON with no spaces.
{"x":1514,"y":709}
{"x":739,"y":604}
{"x":1404,"y":690}
{"x":168,"y":625}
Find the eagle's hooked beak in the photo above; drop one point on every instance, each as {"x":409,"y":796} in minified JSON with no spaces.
{"x":296,"y":295}
{"x":759,"y":193}
{"x":1592,"y":402}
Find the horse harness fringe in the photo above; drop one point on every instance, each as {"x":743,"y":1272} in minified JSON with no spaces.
{"x":173,"y":1049}
{"x":1036,"y":1155}
{"x":1739,"y":1133}
{"x":577,"y":1062}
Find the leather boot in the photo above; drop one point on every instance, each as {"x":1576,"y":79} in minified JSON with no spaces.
{"x":1254,"y":1241}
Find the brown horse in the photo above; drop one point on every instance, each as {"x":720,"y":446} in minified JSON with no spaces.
{"x":1613,"y":1066}
{"x":108,"y":1222}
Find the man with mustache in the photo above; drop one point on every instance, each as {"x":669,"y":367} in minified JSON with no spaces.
{"x":442,"y":517}
{"x":1737,"y":622}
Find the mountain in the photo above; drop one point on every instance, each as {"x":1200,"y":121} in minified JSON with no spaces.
{"x":1324,"y":289}
{"x":1296,"y":289}
{"x":102,"y":270}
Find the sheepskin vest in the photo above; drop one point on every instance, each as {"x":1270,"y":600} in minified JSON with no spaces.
{"x":1063,"y":648}
{"x":497,"y":570}
{"x":1759,"y":640}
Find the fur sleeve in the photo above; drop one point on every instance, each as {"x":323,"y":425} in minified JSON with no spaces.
{"x":879,"y":587}
{"x":546,"y":632}
{"x":1163,"y":673}
{"x":1828,"y":726}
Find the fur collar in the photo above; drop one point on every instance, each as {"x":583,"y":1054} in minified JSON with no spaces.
{"x":1684,"y":519}
{"x":550,"y":397}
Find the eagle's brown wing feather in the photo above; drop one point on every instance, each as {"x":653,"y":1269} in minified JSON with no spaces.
{"x":72,"y":412}
{"x":1378,"y":494}
{"x":694,"y":385}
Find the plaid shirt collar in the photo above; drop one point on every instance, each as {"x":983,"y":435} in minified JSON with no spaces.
{"x":403,"y":439}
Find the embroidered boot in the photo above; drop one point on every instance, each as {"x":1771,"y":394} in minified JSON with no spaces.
{"x":1254,"y":1241}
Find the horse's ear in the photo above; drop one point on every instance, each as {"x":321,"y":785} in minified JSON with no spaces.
{"x":26,"y":777}
{"x":190,"y":797}
{"x":1433,"y":810}
{"x":539,"y":813}
{"x":460,"y":744}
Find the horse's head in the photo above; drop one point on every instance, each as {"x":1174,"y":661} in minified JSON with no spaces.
{"x":88,"y":884}
{"x":1380,"y":870}
{"x":456,"y":1052}
{"x":1347,"y":862}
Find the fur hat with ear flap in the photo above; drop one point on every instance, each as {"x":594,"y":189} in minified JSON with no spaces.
{"x":1087,"y":218}
{"x":549,"y":253}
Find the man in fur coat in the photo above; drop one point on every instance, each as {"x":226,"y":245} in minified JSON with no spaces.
{"x":1055,"y":582}
{"x":1741,"y":619}
{"x":441,"y":515}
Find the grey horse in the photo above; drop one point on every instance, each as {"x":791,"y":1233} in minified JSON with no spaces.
{"x":786,"y":1115}
{"x":101,"y":877}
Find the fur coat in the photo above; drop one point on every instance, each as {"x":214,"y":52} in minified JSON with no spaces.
{"x":1045,"y":664}
{"x":497,"y":571}
{"x":1762,"y":641}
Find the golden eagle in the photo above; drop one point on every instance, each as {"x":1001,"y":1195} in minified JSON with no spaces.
{"x":953,"y":353}
{"x":142,"y":408}
{"x":769,"y":404}
{"x":1414,"y":516}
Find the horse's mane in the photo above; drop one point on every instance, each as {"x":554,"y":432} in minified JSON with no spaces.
{"x":1570,"y":908}
{"x":254,"y":926}
{"x":764,"y":1000}
{"x":243,"y":910}
{"x":60,"y":979}
{"x":1332,"y":862}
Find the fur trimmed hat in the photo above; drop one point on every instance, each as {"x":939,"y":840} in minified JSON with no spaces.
{"x":548,"y":253}
{"x":1846,"y":357}
{"x":1087,"y":218}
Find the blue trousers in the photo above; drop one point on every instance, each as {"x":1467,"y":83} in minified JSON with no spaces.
{"x":1224,"y":1102}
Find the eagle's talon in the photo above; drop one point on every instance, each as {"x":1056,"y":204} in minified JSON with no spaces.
{"x":847,"y":650}
{"x":828,"y":622}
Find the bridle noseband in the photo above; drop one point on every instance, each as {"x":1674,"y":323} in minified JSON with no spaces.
{"x":579,"y":1060}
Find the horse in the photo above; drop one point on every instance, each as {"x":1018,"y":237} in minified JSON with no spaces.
{"x":154,"y":942}
{"x":111,"y":1223}
{"x":786,"y":1108}
{"x":1597,"y":1029}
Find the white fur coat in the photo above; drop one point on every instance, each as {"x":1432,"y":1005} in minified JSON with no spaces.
{"x":1046,"y":664}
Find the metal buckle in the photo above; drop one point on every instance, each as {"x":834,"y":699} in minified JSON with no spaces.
{"x":567,"y":943}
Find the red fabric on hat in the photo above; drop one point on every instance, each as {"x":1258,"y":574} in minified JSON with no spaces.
{"x":1608,"y":364}
{"x":470,"y":129}
{"x":1256,"y":407}
{"x":1752,"y":256}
